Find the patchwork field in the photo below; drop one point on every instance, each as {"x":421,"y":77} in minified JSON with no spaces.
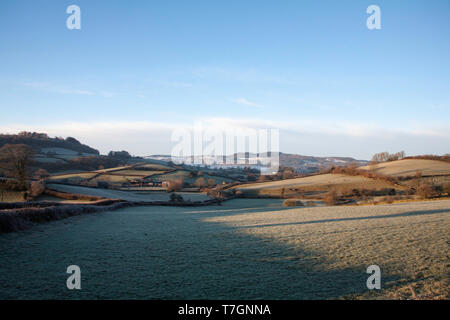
{"x":126,"y":195}
{"x":138,"y":174}
{"x":58,"y":155}
{"x":244,"y":249}
{"x":63,"y":151}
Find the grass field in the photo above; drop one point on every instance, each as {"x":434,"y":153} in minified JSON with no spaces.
{"x":11,"y":196}
{"x":318,"y":183}
{"x":409,"y":242}
{"x":126,"y":195}
{"x":46,"y":159}
{"x":113,"y":169}
{"x":409,"y":167}
{"x":117,"y":176}
{"x":60,"y":200}
{"x":185,"y":175}
{"x":142,"y":173}
{"x":110,"y":178}
{"x":154,"y":166}
{"x":244,"y":249}
{"x":83,"y":175}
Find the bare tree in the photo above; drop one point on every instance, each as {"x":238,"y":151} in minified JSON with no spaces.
{"x":15,"y":158}
{"x":418,"y":177}
{"x":41,"y":174}
{"x":288,"y":174}
{"x":2,"y":190}
{"x":175,"y":185}
{"x":380,"y":157}
{"x":37,"y":188}
{"x":331,"y":198}
{"x":200,"y":182}
{"x":385,"y":156}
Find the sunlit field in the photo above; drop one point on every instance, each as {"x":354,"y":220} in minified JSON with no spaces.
{"x":244,"y":249}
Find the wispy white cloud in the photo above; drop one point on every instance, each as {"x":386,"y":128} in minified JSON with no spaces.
{"x":245,"y":102}
{"x":62,"y":89}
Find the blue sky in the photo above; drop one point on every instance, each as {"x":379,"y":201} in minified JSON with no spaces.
{"x":138,"y":69}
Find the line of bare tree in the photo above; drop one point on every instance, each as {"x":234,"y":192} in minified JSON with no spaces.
{"x":14,"y":161}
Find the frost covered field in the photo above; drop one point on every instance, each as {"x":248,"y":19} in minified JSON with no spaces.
{"x":249,"y":249}
{"x":127,"y":195}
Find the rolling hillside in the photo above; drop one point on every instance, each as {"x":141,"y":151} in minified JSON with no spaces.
{"x":409,"y":167}
{"x":314,"y":185}
{"x":303,"y":164}
{"x":43,"y":144}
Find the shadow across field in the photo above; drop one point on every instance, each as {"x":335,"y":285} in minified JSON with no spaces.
{"x":386,"y":216}
{"x":167,"y":253}
{"x":265,"y":269}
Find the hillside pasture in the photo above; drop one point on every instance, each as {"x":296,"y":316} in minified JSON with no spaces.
{"x":65,"y":156}
{"x":47,"y":159}
{"x":429,"y":180}
{"x":11,"y":196}
{"x":141,"y":173}
{"x":317,"y":184}
{"x":48,"y":198}
{"x":79,"y":175}
{"x":409,"y":167}
{"x":118,"y":175}
{"x":134,"y":174}
{"x":65,"y":152}
{"x":61,"y":151}
{"x":111,"y":178}
{"x":113,"y":169}
{"x":186,"y":176}
{"x":126,"y":195}
{"x":144,"y":189}
{"x":155,"y":166}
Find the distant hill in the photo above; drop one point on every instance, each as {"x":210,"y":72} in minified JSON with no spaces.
{"x":310,"y":164}
{"x":303,"y":164}
{"x":59,"y":154}
{"x":42,"y":143}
